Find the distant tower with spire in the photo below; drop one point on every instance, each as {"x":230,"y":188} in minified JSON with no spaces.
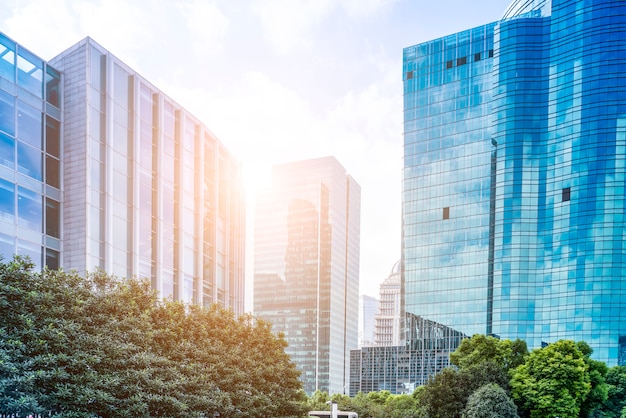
{"x":387,"y":328}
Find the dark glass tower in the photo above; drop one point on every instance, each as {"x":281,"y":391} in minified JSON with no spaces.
{"x":515,"y":160}
{"x":306,"y":269}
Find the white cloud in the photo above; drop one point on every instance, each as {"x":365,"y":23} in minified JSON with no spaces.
{"x":142,"y":33}
{"x":49,"y":26}
{"x":257,"y":118}
{"x":206,"y":24}
{"x":291,"y":24}
{"x":50,"y":20}
{"x":288,"y":23}
{"x":365,"y":8}
{"x":123,"y":27}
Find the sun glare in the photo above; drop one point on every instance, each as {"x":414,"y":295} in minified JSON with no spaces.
{"x":256,"y":177}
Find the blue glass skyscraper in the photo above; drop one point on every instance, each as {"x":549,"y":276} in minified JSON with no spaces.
{"x":514,"y":176}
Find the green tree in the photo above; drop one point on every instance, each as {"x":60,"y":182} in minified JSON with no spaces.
{"x":616,"y":399}
{"x":380,"y":397}
{"x":490,"y":401}
{"x":96,"y":345}
{"x":599,"y":392}
{"x":447,"y":393}
{"x":553,"y":382}
{"x":478,"y":375}
{"x":420,"y":403}
{"x":317,"y":401}
{"x":381,"y":404}
{"x":444,"y":396}
{"x":363,"y":405}
{"x":40,"y":330}
{"x":506,"y":353}
{"x":401,"y":406}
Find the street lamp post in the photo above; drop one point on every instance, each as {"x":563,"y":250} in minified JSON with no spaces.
{"x":333,"y":409}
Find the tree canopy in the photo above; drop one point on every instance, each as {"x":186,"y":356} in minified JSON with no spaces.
{"x":599,"y":392}
{"x":616,"y":399}
{"x":506,"y":353}
{"x":101,"y":346}
{"x":558,"y":380}
{"x":553,"y":382}
{"x":447,"y":393}
{"x":490,"y":401}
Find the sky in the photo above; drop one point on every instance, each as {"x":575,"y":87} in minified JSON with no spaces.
{"x":275,"y":80}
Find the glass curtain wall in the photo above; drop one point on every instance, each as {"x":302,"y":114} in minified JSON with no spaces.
{"x":30,"y":153}
{"x":514,"y":197}
{"x":448,"y":154}
{"x":561,"y":196}
{"x":162,"y":196}
{"x":306,"y":267}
